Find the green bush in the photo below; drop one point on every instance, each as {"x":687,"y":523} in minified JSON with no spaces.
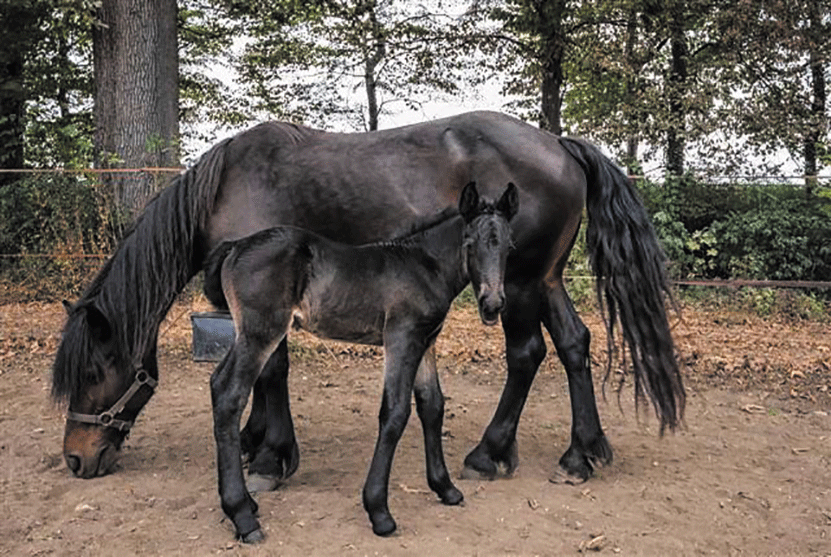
{"x":738,"y":231}
{"x":64,"y":215}
{"x":786,"y":240}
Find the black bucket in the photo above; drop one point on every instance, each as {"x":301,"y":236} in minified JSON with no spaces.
{"x":213,"y":335}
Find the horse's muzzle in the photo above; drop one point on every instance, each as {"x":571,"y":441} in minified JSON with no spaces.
{"x":99,"y":462}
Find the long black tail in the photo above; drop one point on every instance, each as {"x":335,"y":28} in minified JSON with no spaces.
{"x":213,"y":275}
{"x":630,"y":268}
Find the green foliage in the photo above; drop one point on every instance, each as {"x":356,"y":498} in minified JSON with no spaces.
{"x":306,"y":60}
{"x":785,"y":240}
{"x":579,"y":276}
{"x":739,"y":231}
{"x":64,"y":215}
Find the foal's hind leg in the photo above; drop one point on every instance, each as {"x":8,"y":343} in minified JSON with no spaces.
{"x":430,"y":408}
{"x":231,"y":384}
{"x":277,"y":455}
{"x":589,"y":446}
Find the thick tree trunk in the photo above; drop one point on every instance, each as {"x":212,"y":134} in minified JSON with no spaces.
{"x":137,"y":93}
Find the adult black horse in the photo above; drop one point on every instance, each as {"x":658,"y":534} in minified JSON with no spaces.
{"x":359,"y":188}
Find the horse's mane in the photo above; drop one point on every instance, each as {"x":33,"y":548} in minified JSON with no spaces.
{"x":137,"y":285}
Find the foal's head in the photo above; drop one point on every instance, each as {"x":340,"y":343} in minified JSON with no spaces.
{"x":487,"y":241}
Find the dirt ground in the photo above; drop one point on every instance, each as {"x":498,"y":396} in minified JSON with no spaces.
{"x":750,"y":474}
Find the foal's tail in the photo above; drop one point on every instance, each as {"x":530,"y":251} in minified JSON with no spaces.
{"x":629,"y":265}
{"x":213,"y":275}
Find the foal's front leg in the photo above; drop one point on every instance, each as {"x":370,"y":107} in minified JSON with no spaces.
{"x":430,"y":408}
{"x":402,"y":356}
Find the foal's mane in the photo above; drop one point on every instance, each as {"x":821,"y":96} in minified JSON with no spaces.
{"x":137,"y":285}
{"x":420,"y":226}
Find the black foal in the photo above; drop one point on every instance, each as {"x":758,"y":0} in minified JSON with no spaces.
{"x":396,"y":293}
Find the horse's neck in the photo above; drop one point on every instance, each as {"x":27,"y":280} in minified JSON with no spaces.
{"x":150,"y":267}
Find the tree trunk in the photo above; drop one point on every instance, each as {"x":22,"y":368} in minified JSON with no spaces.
{"x":19,"y":32}
{"x":11,"y":113}
{"x":374,"y":52}
{"x":818,"y":121}
{"x":137,"y":94}
{"x":552,"y":66}
{"x":632,"y":66}
{"x":676,"y":88}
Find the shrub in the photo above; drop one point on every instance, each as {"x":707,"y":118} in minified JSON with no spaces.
{"x":53,"y":214}
{"x":787,"y":240}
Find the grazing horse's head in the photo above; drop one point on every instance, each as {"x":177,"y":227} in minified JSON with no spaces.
{"x":487,"y":241}
{"x":103,"y":392}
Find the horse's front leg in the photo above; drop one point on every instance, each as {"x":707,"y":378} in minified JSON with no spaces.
{"x":430,"y":408}
{"x":402,"y":357}
{"x":231,"y":384}
{"x":589,"y":447}
{"x":497,"y":452}
{"x":276,"y":454}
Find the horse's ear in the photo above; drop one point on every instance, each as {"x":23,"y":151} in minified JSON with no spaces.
{"x":67,"y":306}
{"x":469,"y":202}
{"x":99,"y":325}
{"x":508,"y":204}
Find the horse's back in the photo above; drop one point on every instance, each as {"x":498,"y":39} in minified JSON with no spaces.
{"x":361,"y":187}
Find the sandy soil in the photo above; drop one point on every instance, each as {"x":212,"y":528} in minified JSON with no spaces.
{"x":750,"y":474}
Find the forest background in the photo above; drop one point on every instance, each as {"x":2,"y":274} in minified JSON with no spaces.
{"x":713,"y":94}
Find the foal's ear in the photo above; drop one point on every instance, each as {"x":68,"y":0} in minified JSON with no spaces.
{"x":508,"y":204}
{"x":67,"y":305}
{"x":469,"y":202}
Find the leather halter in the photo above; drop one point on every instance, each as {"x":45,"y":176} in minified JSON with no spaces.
{"x":107,"y":418}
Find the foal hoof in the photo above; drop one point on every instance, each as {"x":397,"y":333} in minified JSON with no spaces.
{"x":384,"y":526}
{"x":452,"y":497}
{"x":255,"y":536}
{"x":258,"y":483}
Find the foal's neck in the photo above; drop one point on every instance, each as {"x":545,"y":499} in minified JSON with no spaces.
{"x":442,"y":244}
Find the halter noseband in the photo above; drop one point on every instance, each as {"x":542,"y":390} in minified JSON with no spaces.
{"x":107,"y":418}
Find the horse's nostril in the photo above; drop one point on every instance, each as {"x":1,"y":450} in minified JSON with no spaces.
{"x":74,"y":463}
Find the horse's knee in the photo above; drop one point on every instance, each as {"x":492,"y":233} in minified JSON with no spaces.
{"x":526,"y":354}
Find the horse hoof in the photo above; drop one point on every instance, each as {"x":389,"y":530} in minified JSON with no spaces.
{"x":470,"y":473}
{"x":255,"y":536}
{"x":258,"y":483}
{"x":561,"y":476}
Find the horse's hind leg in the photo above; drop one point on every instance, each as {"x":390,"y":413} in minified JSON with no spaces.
{"x":276,"y":457}
{"x":497,"y":452}
{"x":589,"y":446}
{"x":430,"y":408}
